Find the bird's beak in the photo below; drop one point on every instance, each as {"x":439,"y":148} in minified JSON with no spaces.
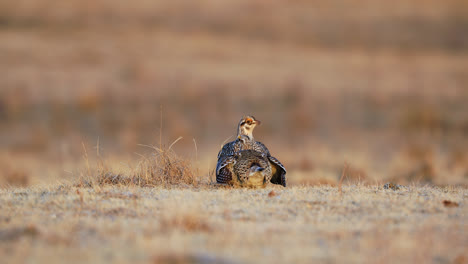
{"x":257,"y":122}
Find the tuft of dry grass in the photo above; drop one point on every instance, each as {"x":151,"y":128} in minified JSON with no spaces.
{"x":165,"y":168}
{"x":161,"y":168}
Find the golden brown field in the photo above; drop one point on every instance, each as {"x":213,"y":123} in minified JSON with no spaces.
{"x":112,"y":114}
{"x":218,"y":225}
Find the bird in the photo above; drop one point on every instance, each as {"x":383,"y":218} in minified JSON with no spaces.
{"x":251,"y":169}
{"x":245,"y":141}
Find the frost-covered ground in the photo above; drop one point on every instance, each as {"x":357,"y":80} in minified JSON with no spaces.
{"x":123,"y":224}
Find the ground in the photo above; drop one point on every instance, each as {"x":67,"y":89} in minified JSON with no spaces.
{"x":210,"y":224}
{"x":112,"y":114}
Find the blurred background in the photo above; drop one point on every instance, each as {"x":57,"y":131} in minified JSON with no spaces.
{"x":381,"y":85}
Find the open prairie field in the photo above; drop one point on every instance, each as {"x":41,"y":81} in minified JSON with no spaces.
{"x":365,"y":224}
{"x":380,"y":85}
{"x":112,"y":114}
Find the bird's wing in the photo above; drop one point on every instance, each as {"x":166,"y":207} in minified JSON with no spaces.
{"x":227,"y":149}
{"x":223,"y":170}
{"x":260,"y":147}
{"x":225,"y":158}
{"x":279,"y":176}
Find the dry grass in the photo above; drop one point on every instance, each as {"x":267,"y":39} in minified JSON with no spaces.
{"x":401,"y":84}
{"x":161,"y":168}
{"x":365,"y":224}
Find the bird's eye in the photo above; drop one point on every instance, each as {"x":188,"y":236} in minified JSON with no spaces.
{"x":249,"y":122}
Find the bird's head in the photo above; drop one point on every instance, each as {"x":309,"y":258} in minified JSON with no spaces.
{"x":254,"y":169}
{"x":246,"y":126}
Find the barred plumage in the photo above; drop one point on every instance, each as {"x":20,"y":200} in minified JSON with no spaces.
{"x":251,"y":169}
{"x":278,"y":171}
{"x":245,"y":141}
{"x":226,"y":158}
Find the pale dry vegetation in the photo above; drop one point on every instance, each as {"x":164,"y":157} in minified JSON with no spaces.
{"x":121,"y":224}
{"x":160,"y":212}
{"x":379,"y":85}
{"x":161,"y":168}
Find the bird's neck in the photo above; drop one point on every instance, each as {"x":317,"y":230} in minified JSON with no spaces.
{"x":242,"y":132}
